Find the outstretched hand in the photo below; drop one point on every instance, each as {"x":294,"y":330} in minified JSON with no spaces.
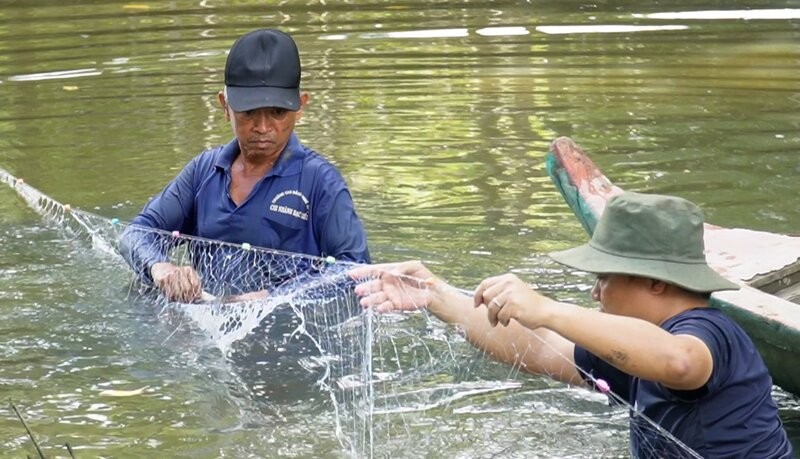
{"x":177,"y":283}
{"x":507,"y":297}
{"x":394,"y":286}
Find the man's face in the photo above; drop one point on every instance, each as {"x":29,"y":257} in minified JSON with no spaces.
{"x":620,"y":294}
{"x":263,"y":132}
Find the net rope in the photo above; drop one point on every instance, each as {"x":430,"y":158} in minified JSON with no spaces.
{"x":376,"y":370}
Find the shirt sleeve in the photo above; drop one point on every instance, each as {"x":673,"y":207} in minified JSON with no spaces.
{"x":593,"y":368}
{"x":171,"y":210}
{"x":714,"y":338}
{"x":342,"y":234}
{"x":337,"y":228}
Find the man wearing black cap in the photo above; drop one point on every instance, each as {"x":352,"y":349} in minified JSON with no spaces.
{"x":264,"y":188}
{"x":655,"y":343}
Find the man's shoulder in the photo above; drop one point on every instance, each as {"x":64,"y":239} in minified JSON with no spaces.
{"x":702,"y":314}
{"x":321,"y":166}
{"x":721,"y":334}
{"x":210,"y":156}
{"x":710,"y":319}
{"x":314,"y":158}
{"x":207,"y":162}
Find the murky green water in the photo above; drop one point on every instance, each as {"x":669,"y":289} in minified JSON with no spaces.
{"x":439,"y":115}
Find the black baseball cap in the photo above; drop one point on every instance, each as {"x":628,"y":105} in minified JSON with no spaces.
{"x":263,"y":70}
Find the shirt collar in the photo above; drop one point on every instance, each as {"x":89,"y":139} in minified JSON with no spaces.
{"x":290,"y":161}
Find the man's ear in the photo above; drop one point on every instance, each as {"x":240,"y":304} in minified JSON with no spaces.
{"x":658,"y":287}
{"x":304,"y":98}
{"x":224,"y":104}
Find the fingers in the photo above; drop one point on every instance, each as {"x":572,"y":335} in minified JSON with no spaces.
{"x":367,"y":271}
{"x":363,"y":272}
{"x":411,"y":269}
{"x":481,"y":296}
{"x":504,"y":315}
{"x":181,"y":284}
{"x":498,"y":294}
{"x":387,"y":291}
{"x":487,"y":290}
{"x":365,"y":288}
{"x":493,"y":311}
{"x":378,"y":301}
{"x":194,"y":289}
{"x":373,"y":295}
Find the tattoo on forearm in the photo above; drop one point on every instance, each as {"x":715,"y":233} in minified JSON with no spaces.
{"x":616,"y":357}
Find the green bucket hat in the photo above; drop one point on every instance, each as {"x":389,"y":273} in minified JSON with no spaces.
{"x":648,"y":235}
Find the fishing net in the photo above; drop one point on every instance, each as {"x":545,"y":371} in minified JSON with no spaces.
{"x":293,"y":328}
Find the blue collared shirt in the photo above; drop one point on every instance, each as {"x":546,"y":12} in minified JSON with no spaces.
{"x":301,"y":206}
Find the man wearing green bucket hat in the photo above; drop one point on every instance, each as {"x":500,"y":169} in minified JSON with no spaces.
{"x":655,"y":344}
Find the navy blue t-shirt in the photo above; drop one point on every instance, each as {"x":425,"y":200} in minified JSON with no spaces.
{"x":733,"y":415}
{"x":302,"y":206}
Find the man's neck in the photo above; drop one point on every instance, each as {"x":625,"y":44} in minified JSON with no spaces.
{"x":678,"y":301}
{"x":250,"y":168}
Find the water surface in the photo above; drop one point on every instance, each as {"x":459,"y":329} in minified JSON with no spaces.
{"x":439,"y":115}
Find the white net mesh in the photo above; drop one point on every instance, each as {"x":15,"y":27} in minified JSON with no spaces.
{"x":384,"y":376}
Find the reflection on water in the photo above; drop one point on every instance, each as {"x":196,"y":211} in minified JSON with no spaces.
{"x":784,"y":13}
{"x":438,"y":114}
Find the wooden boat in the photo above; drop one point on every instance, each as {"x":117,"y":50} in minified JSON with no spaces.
{"x":766,"y":265}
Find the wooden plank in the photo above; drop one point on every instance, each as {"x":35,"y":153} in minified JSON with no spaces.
{"x":756,"y":257}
